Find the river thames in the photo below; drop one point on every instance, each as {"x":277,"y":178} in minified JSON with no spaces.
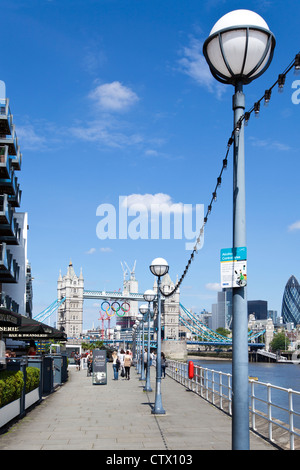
{"x":281,"y":375}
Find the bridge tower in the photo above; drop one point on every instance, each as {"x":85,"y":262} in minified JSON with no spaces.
{"x":172,"y":346}
{"x":130,"y":286}
{"x":70,"y":313}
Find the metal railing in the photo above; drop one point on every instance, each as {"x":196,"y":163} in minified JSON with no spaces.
{"x":266,"y":414}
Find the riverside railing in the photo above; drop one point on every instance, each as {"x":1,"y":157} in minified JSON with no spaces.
{"x":272,"y":408}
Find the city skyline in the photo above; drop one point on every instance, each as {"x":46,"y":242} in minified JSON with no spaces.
{"x":114,"y":99}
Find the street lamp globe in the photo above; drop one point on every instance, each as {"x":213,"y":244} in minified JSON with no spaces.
{"x":149,"y":295}
{"x":159,"y":267}
{"x":239,"y":48}
{"x":143,"y":309}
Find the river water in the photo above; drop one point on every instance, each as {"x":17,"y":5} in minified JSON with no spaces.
{"x":282,"y":375}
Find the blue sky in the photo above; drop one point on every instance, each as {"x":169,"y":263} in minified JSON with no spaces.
{"x":113,"y":98}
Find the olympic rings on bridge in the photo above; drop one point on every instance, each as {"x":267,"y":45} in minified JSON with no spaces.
{"x":114,"y":308}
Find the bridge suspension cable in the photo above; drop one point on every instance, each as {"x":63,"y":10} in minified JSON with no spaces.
{"x":42,"y":316}
{"x":201,"y":328}
{"x":196,"y":327}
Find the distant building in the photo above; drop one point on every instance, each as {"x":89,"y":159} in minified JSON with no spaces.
{"x":128,"y":316}
{"x":13,"y":224}
{"x":273,"y":314}
{"x":222,"y":311}
{"x":258,"y":308}
{"x":70,"y":312}
{"x":170,"y":309}
{"x":290,"y":310}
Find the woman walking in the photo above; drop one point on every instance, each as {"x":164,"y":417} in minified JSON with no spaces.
{"x":115,"y":365}
{"x":127,"y":364}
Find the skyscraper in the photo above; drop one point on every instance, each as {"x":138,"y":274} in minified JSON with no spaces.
{"x":259,"y":308}
{"x":290,"y":310}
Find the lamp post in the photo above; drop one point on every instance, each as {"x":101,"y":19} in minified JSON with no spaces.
{"x":159,"y":267}
{"x":142,"y":320}
{"x":239,"y":49}
{"x":149,"y":296}
{"x":138,"y":363}
{"x":134,"y":341}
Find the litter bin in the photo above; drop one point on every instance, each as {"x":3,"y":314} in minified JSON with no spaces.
{"x":48,"y":374}
{"x":57,"y":366}
{"x":64,"y":368}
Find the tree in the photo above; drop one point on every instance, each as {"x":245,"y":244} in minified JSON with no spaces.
{"x":93,"y":345}
{"x":280,"y":341}
{"x":222,"y":331}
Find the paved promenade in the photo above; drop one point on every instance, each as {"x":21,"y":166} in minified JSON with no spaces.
{"x":117,"y":416}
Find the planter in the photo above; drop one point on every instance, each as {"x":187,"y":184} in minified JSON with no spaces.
{"x":32,"y":397}
{"x":10,"y":411}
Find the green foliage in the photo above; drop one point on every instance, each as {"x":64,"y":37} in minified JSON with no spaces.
{"x":222,"y":331}
{"x":11,"y":386}
{"x":12,"y":383}
{"x":280,"y":341}
{"x":32,"y":378}
{"x":93,"y":345}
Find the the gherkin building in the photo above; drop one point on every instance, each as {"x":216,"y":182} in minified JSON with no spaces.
{"x":290,"y":310}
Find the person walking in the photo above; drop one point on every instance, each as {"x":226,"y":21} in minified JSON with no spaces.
{"x":90,"y":363}
{"x":145,"y":359}
{"x":115,"y":365}
{"x":121,"y":356}
{"x":77,"y":358}
{"x":127,"y":364}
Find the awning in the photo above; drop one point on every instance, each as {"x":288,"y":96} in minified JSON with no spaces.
{"x":32,"y":329}
{"x":8,"y":318}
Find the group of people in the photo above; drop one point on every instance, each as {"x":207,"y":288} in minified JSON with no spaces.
{"x":122,"y":362}
{"x":31,"y":351}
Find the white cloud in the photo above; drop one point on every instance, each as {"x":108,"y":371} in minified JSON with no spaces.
{"x":294,"y":226}
{"x":215,"y":286}
{"x":113,"y":96}
{"x":91,"y":251}
{"x":195,"y":66}
{"x":29,"y":139}
{"x":271,"y":145}
{"x":159,"y":202}
{"x":105,"y":249}
{"x":109,"y":133}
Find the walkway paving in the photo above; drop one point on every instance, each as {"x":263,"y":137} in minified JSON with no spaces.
{"x":117,"y":416}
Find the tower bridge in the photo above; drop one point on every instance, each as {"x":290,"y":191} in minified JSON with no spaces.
{"x":107,"y":295}
{"x":71,"y":295}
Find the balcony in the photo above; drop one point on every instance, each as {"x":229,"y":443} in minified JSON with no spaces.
{"x":11,"y":141}
{"x":7,"y":303}
{"x":9,"y":185}
{"x":9,"y":268}
{"x":15,"y":200}
{"x":10,"y":232}
{"x":17,"y":160}
{"x":6,"y":119}
{"x":5,"y":163}
{"x":6,"y":212}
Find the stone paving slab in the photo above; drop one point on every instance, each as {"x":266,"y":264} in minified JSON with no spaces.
{"x":117,"y":416}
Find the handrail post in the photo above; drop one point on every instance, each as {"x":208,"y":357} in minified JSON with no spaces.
{"x":291,"y":420}
{"x":269,"y":399}
{"x":253,"y":405}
